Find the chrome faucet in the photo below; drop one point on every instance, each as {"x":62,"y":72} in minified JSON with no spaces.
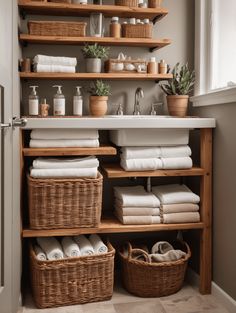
{"x":138,"y":94}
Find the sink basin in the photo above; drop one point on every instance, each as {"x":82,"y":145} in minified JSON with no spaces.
{"x":137,"y":116}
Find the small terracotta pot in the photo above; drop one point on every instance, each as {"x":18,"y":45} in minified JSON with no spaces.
{"x":177,"y":105}
{"x":154,"y":3}
{"x":98,"y":105}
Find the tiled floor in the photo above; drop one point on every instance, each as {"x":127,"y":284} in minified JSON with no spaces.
{"x":187,"y":300}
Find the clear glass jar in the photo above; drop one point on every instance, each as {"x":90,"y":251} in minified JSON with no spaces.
{"x":96,"y":25}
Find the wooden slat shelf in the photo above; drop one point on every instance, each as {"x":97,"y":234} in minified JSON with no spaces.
{"x":116,"y":171}
{"x":92,"y":76}
{"x":153,"y":44}
{"x":65,"y":9}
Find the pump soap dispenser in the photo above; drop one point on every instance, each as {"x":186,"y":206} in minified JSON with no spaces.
{"x":78,"y":102}
{"x":59,"y":102}
{"x":33,"y":102}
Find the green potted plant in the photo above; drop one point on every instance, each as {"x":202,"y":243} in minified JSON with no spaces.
{"x":177,"y":90}
{"x":99,"y":96}
{"x":94,"y":55}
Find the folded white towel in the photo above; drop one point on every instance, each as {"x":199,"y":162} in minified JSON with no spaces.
{"x":137,"y":211}
{"x":51,"y":60}
{"x":51,"y":247}
{"x":171,"y":255}
{"x":58,"y":133}
{"x":161,"y":247}
{"x":174,"y":193}
{"x":138,"y":220}
{"x":136,"y":196}
{"x":84,"y":244}
{"x":179,"y":207}
{"x":86,"y":162}
{"x":140,"y":152}
{"x":70,"y":247}
{"x":175,"y":151}
{"x":40,"y":255}
{"x":98,"y":244}
{"x":65,"y":172}
{"x":183,"y":217}
{"x":57,"y":143}
{"x":176,"y":163}
{"x":141,"y":164}
{"x":41,"y":68}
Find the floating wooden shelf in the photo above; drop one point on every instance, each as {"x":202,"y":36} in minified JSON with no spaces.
{"x":115,"y":171}
{"x":65,"y":9}
{"x":92,"y":76}
{"x":153,"y":44}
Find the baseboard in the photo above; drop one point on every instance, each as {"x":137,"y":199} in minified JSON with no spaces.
{"x":228,"y":302}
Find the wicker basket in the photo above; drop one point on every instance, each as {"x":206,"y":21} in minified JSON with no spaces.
{"x":154,"y":3}
{"x":57,"y":28}
{"x":137,"y":30}
{"x":64,"y":203}
{"x":72,"y":280}
{"x":127,"y":3}
{"x":153,"y":279}
{"x":111,"y":66}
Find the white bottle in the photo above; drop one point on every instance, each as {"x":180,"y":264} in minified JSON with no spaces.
{"x":78,"y":102}
{"x":33,"y":102}
{"x":59,"y":102}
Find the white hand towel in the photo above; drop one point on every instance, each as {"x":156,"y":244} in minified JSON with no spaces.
{"x":41,"y":68}
{"x":70,"y":247}
{"x":84,"y":245}
{"x":65,"y":172}
{"x":161,"y":247}
{"x":136,"y":196}
{"x":57,"y":143}
{"x":140,"y":152}
{"x":179,"y":207}
{"x":141,"y":164}
{"x":172,"y":255}
{"x":175,"y":151}
{"x":87,"y":162}
{"x":51,"y":247}
{"x":58,"y":133}
{"x":186,"y":217}
{"x":176,"y":163}
{"x":174,"y":193}
{"x":137,"y":211}
{"x":156,"y":220}
{"x":97,"y":243}
{"x":40,"y":255}
{"x":138,"y":220}
{"x":51,"y":60}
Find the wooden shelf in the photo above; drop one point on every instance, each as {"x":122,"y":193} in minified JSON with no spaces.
{"x":103,"y":150}
{"x":153,"y":44}
{"x":93,"y":76}
{"x":115,"y":171}
{"x":65,"y":9}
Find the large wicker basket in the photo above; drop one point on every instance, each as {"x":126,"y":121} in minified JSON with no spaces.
{"x":57,"y":28}
{"x":64,"y":203}
{"x":72,"y":280}
{"x":137,"y":30}
{"x":127,"y":3}
{"x":153,"y":279}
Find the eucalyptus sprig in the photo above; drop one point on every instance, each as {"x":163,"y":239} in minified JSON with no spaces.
{"x":100,"y":89}
{"x":95,"y":51}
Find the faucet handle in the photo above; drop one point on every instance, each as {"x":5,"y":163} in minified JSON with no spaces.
{"x":155,"y":104}
{"x":120,"y":109}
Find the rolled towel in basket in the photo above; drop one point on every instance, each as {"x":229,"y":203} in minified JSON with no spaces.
{"x":171,"y":255}
{"x":50,"y":163}
{"x":64,"y":173}
{"x":141,"y":164}
{"x":70,"y":247}
{"x":84,"y":244}
{"x":140,"y":152}
{"x":42,"y":68}
{"x":52,"y":60}
{"x":51,"y":247}
{"x":176,"y":163}
{"x":57,"y":133}
{"x":175,"y":151}
{"x":161,"y":247}
{"x":40,"y":255}
{"x":61,"y":143}
{"x":98,"y":244}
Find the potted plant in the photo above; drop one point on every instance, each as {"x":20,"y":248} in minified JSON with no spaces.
{"x":94,"y":55}
{"x":99,"y":97}
{"x":178,"y":89}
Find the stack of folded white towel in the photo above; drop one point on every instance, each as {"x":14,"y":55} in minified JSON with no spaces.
{"x":45,"y":63}
{"x":133,"y":205}
{"x":178,"y":204}
{"x":86,"y":167}
{"x":155,"y":158}
{"x":49,"y":248}
{"x":62,"y":138}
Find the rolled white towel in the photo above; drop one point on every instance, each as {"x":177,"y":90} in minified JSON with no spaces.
{"x":98,"y":244}
{"x":61,"y":143}
{"x":69,"y":134}
{"x":40,"y":255}
{"x":64,"y":173}
{"x":161,"y":247}
{"x":171,"y":255}
{"x":84,"y":245}
{"x":70,"y":247}
{"x":140,"y":152}
{"x":141,"y":164}
{"x":176,"y":163}
{"x":87,"y":162}
{"x":51,"y":60}
{"x":51,"y":247}
{"x":41,"y":68}
{"x":175,"y":151}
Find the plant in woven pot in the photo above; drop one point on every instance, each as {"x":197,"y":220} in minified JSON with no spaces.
{"x":93,"y":55}
{"x":99,"y":97}
{"x":177,"y":90}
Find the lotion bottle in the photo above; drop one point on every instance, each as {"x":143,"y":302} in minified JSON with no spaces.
{"x":78,"y":102}
{"x":59,"y":102}
{"x":33,"y":102}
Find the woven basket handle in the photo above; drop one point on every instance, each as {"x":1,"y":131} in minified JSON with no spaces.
{"x":131,"y":251}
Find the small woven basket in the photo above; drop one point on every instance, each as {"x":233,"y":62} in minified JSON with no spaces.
{"x":154,"y":3}
{"x":153,"y":279}
{"x":127,"y":3}
{"x":72,"y":280}
{"x":57,"y":28}
{"x":64,"y":203}
{"x":137,"y":30}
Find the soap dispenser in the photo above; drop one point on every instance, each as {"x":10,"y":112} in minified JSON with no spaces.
{"x":33,"y":102}
{"x":59,"y":102}
{"x":78,"y":102}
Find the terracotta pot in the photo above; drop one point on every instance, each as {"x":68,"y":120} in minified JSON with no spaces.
{"x":98,"y":105}
{"x":177,"y":105}
{"x":154,"y":3}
